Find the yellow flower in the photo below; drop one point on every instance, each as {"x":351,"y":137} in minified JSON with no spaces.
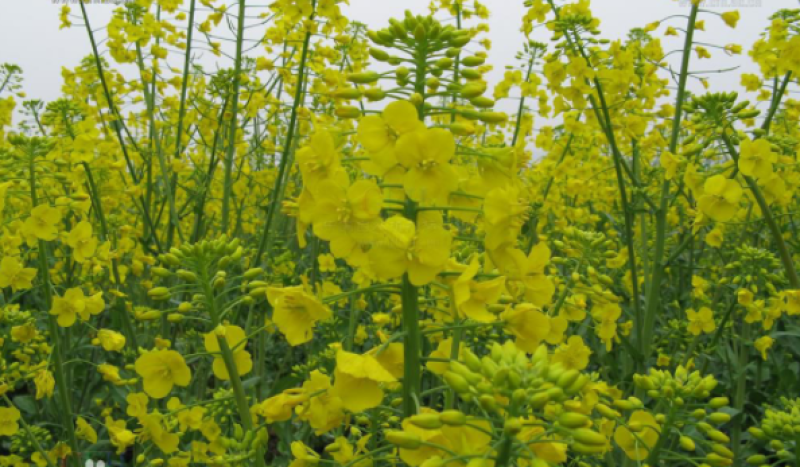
{"x":528,"y":324}
{"x":137,"y":404}
{"x":322,"y":408}
{"x":319,"y":159}
{"x":82,"y":242}
{"x":505,"y":212}
{"x":606,"y":316}
{"x":357,"y":380}
{"x":9,"y":416}
{"x":347,"y":217}
{"x":763,"y":344}
{"x":295,"y":313}
{"x":236,"y":339}
{"x":715,"y":237}
{"x":161,"y":370}
{"x":379,"y":134}
{"x":111,"y":341}
{"x":539,"y":288}
{"x":74,"y":304}
{"x":326,"y":263}
{"x":45,"y":383}
{"x":421,"y":250}
{"x":13,"y":274}
{"x":637,"y":442}
{"x":426,"y":155}
{"x":119,"y":435}
{"x":574,"y":355}
{"x":756,"y":158}
{"x":303,"y":455}
{"x":471,"y":297}
{"x":671,"y":163}
{"x":153,"y":425}
{"x":701,"y":321}
{"x":42,"y":223}
{"x":720,"y":199}
{"x":731,"y":18}
{"x":85,"y":431}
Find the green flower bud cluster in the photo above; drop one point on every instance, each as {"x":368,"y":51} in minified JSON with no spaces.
{"x":208,"y":266}
{"x":676,"y":387}
{"x":779,"y":432}
{"x":528,"y":384}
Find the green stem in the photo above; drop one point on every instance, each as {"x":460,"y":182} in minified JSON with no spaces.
{"x":277,"y":192}
{"x":654,"y":285}
{"x":228,"y":186}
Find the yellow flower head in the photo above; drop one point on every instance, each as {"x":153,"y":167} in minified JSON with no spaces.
{"x":161,"y":370}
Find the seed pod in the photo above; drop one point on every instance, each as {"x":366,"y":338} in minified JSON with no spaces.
{"x":346,"y":93}
{"x":572,"y":420}
{"x":453,"y":418}
{"x":473,"y":89}
{"x":403,"y":439}
{"x":686,"y":443}
{"x":348,"y":111}
{"x":375,"y":94}
{"x":428,"y":421}
{"x":473,"y":61}
{"x":482,"y":102}
{"x":457,"y":382}
{"x":492,"y":117}
{"x":587,"y":449}
{"x":363,"y":78}
{"x":471,"y":74}
{"x":590,"y":437}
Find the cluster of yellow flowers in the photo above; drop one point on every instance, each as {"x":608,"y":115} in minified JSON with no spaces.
{"x":336,"y":251}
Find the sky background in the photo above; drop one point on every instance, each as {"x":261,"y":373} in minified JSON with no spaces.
{"x":30,"y":35}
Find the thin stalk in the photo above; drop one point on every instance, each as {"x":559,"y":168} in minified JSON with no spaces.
{"x":654,"y":285}
{"x":237,"y":71}
{"x":277,"y":192}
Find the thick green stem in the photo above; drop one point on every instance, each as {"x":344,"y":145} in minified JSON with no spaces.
{"x":277,"y":192}
{"x":237,"y":71}
{"x":412,"y":376}
{"x":58,"y":357}
{"x":654,"y":285}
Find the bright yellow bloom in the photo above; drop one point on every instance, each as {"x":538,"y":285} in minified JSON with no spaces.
{"x":85,"y":431}
{"x":42,"y":224}
{"x":45,"y":384}
{"x":426,"y":155}
{"x":421,"y":250}
{"x":304,"y":456}
{"x":539,"y":288}
{"x":379,"y":134}
{"x":505,"y":211}
{"x":357,"y":381}
{"x":9,"y":418}
{"x":82,"y":242}
{"x":756,"y":158}
{"x":161,"y":370}
{"x":237,"y":340}
{"x":763,"y":344}
{"x":347,"y":217}
{"x":637,"y":444}
{"x":731,"y":18}
{"x":606,"y":316}
{"x":720,"y":199}
{"x":701,"y":321}
{"x":111,"y":341}
{"x":671,"y":163}
{"x":471,"y":297}
{"x":322,"y":409}
{"x":528,"y":324}
{"x":75,"y":304}
{"x":13,"y":274}
{"x":295,"y":313}
{"x":574,"y":355}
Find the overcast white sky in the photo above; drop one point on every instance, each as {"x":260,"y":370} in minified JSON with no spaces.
{"x":29,"y":34}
